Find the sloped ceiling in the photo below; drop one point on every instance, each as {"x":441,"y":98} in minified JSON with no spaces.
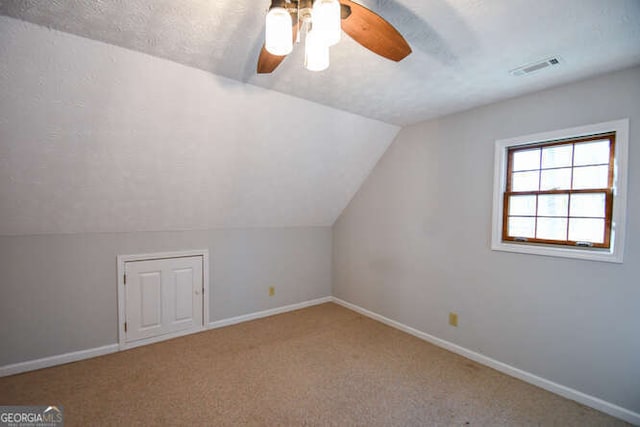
{"x":97,"y":138}
{"x":462,"y":49}
{"x":154,"y":118}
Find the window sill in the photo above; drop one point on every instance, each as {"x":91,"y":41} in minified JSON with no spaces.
{"x":604,"y":255}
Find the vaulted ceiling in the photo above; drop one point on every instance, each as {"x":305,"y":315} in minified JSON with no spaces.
{"x":462,"y":49}
{"x":139,"y":115}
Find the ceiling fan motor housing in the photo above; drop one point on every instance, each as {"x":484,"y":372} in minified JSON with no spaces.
{"x":278,"y":3}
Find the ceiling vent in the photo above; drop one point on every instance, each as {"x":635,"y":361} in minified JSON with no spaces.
{"x":535,"y":66}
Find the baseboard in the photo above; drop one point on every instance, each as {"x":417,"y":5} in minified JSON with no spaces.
{"x":267,"y":313}
{"x":569,"y":393}
{"x":147,"y":341}
{"x":60,"y":359}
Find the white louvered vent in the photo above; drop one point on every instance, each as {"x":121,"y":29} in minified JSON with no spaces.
{"x":535,"y":66}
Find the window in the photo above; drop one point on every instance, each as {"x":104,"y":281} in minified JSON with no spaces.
{"x":562,"y":193}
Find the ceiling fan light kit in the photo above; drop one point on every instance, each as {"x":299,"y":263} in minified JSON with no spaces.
{"x":316,"y":52}
{"x":322,"y":22}
{"x":278,"y":31}
{"x":326,"y":21}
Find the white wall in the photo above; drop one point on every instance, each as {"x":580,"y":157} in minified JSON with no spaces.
{"x":58,"y":292}
{"x":94,"y":137}
{"x":105,"y":151}
{"x":414,"y":244}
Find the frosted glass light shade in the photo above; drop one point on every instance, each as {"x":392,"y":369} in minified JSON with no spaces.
{"x":279,"y":32}
{"x":316,"y":52}
{"x":326,"y":20}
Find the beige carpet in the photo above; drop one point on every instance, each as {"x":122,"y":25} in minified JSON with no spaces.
{"x":323,"y":365}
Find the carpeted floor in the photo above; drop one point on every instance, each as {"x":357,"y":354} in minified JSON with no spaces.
{"x":324,"y":365}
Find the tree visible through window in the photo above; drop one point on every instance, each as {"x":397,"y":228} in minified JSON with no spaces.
{"x":560,"y":192}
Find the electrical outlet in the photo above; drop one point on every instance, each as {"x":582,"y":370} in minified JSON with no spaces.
{"x":272,"y":291}
{"x":453,"y":319}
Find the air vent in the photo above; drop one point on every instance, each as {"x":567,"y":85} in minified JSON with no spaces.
{"x":535,"y":66}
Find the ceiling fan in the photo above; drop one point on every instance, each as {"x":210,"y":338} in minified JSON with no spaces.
{"x":321,"y":22}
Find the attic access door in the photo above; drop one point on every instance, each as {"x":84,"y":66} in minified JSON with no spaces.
{"x":163,"y":297}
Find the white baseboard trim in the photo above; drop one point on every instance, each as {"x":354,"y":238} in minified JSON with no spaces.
{"x":60,"y":359}
{"x":569,"y":393}
{"x":133,"y":344}
{"x":266,"y":313}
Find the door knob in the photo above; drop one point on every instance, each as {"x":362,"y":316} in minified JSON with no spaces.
{"x":197,"y":291}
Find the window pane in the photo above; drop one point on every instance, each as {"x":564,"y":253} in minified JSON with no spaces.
{"x":553,"y":204}
{"x":591,"y":177}
{"x":552,"y":228}
{"x":557,"y":156}
{"x":525,"y":181}
{"x":591,"y":153}
{"x":526,"y":159}
{"x":556,"y":179}
{"x":586,"y":230}
{"x":521,"y":227}
{"x":522,"y":205}
{"x":591,"y":205}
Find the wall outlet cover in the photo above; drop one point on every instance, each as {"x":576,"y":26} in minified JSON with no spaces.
{"x":453,"y":319}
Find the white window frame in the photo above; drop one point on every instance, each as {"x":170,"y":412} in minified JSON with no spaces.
{"x":615,"y":252}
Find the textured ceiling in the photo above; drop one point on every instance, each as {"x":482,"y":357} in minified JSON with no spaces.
{"x":462,"y":49}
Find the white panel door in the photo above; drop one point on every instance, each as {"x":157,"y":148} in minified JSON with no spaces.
{"x":163,"y":296}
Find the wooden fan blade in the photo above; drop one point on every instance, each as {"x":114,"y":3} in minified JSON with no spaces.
{"x":267,"y":62}
{"x":374,"y":32}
